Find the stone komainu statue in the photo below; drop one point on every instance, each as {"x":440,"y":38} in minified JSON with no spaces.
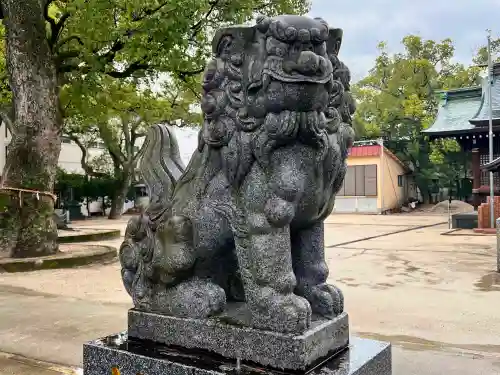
{"x":242,"y":226}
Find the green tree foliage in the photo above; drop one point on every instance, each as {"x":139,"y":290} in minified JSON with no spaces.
{"x":398,"y":99}
{"x":136,"y":37}
{"x":131,"y":38}
{"x":117,"y":116}
{"x":65,"y":182}
{"x":75,"y":187}
{"x":481,"y":57}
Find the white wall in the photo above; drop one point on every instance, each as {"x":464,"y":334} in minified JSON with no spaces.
{"x":4,"y":141}
{"x":70,"y":156}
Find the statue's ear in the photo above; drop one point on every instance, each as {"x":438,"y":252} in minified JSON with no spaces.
{"x":232,"y":39}
{"x":334,"y":41}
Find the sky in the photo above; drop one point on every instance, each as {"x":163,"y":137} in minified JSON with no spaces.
{"x":368,"y":22}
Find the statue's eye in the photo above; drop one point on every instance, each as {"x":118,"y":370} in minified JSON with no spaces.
{"x":276,"y":48}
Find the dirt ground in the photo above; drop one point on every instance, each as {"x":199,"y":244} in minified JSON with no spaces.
{"x":434,"y":297}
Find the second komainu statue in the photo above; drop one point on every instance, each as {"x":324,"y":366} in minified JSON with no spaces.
{"x":239,"y":232}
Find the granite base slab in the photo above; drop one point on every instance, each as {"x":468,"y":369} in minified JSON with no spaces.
{"x":281,"y":351}
{"x":119,"y":355}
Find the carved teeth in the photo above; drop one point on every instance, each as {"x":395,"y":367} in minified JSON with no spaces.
{"x":316,"y":34}
{"x":304,"y":35}
{"x":291,"y":33}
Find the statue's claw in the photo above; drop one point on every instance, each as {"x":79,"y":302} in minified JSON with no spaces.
{"x":326,"y":300}
{"x":281,"y":313}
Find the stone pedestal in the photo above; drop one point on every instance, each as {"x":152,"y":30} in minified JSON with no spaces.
{"x":159,"y":344}
{"x":119,"y":355}
{"x":265,"y":348}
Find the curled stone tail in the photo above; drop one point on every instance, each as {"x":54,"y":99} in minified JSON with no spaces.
{"x":161,"y":165}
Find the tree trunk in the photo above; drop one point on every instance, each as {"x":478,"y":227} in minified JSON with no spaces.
{"x":119,"y":199}
{"x":26,"y":225}
{"x":426,"y":196}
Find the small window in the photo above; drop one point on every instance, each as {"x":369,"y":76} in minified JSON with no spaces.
{"x":65,"y":139}
{"x":400,"y":180}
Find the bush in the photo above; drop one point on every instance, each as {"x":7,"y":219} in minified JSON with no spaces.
{"x":77,"y":187}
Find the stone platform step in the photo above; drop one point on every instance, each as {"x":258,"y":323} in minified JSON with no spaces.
{"x":119,"y":355}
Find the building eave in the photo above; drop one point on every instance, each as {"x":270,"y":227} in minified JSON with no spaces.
{"x":494,"y":166}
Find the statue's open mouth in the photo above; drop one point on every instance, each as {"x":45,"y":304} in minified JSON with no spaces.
{"x":276,"y":68}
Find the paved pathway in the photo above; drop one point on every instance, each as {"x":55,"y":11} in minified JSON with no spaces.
{"x":434,"y":297}
{"x":16,"y":365}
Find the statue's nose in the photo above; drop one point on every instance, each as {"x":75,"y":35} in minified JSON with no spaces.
{"x":308,"y":63}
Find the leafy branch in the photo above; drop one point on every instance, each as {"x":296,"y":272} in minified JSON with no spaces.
{"x":56,"y":26}
{"x":149,"y":12}
{"x":84,"y":159}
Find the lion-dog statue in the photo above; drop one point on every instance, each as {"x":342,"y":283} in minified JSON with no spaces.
{"x":243,"y":223}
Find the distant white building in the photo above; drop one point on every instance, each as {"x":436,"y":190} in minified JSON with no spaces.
{"x":71,"y":155}
{"x":69,"y":158}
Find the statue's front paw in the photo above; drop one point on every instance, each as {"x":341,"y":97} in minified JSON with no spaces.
{"x":280,"y":313}
{"x":326,"y":300}
{"x":192,"y":298}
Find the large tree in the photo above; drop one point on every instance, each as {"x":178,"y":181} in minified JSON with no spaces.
{"x":26,"y":225}
{"x":398,"y":99}
{"x":52,"y":44}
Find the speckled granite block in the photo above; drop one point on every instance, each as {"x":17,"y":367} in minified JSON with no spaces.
{"x":266,"y":348}
{"x":364,"y":357}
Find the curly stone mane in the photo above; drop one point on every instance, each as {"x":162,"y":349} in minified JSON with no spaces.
{"x":234,"y":136}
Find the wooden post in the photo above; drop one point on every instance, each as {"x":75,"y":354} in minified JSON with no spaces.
{"x":476,"y":178}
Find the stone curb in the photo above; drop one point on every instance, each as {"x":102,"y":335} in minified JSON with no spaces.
{"x":90,"y":237}
{"x":44,"y":366}
{"x":453,"y":232}
{"x":95,"y":253}
{"x":386,"y":234}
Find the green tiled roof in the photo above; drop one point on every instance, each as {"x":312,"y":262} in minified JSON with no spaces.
{"x":494,"y":166}
{"x":482,"y":117}
{"x":455,"y":111}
